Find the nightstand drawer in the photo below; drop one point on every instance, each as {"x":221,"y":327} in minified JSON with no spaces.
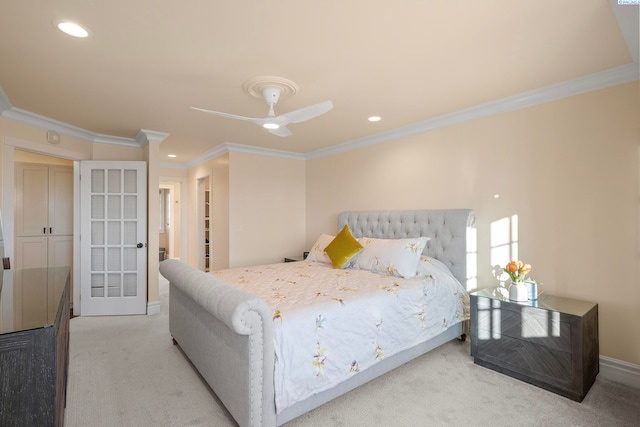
{"x":552,"y":366}
{"x":524,"y":323}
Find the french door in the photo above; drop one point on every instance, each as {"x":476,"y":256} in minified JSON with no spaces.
{"x":113,"y":238}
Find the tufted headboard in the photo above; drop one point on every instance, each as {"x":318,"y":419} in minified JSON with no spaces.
{"x":447,"y":229}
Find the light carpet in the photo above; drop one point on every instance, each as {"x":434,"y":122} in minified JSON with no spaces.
{"x":125,"y":371}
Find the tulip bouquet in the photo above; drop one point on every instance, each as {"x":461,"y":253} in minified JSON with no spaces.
{"x":518,"y":271}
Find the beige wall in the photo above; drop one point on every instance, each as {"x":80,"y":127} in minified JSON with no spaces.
{"x":168,"y":173}
{"x":27,"y":157}
{"x":266,"y":209}
{"x":258,"y":209}
{"x":569,"y":169}
{"x":109,"y":152}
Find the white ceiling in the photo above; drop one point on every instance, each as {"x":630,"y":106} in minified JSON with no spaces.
{"x":148,"y":61}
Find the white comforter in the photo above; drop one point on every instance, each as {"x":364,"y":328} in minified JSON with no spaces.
{"x":331,"y":324}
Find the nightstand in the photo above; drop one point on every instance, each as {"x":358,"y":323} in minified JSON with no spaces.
{"x":296,"y":258}
{"x":551,"y":342}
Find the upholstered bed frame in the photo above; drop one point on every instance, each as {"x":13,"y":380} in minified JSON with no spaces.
{"x":227,"y":333}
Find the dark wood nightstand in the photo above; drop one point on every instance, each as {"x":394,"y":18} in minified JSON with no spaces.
{"x":551,"y":342}
{"x":296,"y":258}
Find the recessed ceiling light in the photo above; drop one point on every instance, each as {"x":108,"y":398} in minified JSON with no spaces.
{"x":375,"y":118}
{"x":72,"y":29}
{"x":171,"y":155}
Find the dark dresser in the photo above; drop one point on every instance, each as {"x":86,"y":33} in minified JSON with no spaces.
{"x":551,"y":342}
{"x":34,"y":346}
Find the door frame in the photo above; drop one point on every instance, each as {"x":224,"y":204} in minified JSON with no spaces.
{"x":8,"y":193}
{"x":200,"y":221}
{"x":180,"y":212}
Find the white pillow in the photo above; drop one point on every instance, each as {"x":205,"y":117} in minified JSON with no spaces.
{"x":397,"y":257}
{"x":317,"y":253}
{"x":427,"y":263}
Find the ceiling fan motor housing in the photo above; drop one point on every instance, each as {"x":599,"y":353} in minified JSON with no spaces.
{"x":271,"y":95}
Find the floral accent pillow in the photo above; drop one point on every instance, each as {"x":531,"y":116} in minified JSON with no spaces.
{"x":317,"y":253}
{"x":396,"y":257}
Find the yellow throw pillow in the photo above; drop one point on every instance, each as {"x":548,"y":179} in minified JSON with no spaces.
{"x":343,"y":248}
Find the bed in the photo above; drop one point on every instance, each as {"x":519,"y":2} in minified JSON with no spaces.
{"x":228,"y":332}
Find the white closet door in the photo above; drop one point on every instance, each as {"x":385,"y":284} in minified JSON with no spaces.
{"x":60,"y":201}
{"x":31,"y":252}
{"x":113,"y":238}
{"x":32,"y":200}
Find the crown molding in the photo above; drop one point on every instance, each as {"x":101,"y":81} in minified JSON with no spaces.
{"x":615,"y":76}
{"x":612,"y":77}
{"x":146,"y":136}
{"x":36,"y":120}
{"x":208,"y":155}
{"x":230,"y":147}
{"x":5,"y":103}
{"x":240,"y":148}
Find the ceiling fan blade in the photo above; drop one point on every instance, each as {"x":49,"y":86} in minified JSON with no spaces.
{"x":281,"y":131}
{"x":231,"y":116}
{"x":297,"y":116}
{"x":304,"y":114}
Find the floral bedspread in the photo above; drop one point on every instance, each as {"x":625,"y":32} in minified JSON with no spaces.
{"x":330,"y":324}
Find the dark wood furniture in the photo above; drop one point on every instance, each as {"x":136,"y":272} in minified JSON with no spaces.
{"x":296,"y":258}
{"x":34,"y":346}
{"x":551,"y":342}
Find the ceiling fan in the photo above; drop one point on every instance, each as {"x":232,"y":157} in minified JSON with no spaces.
{"x":277,"y":125}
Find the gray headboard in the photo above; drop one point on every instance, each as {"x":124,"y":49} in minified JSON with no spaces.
{"x":447,"y":229}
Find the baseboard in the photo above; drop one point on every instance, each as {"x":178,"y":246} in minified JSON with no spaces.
{"x":153,"y":308}
{"x":620,"y":371}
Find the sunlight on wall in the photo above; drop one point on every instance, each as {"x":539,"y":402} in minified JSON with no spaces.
{"x":504,"y":240}
{"x":504,"y":248}
{"x":472,"y":258}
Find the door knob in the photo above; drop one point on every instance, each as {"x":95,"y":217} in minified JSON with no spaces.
{"x":139,"y":245}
